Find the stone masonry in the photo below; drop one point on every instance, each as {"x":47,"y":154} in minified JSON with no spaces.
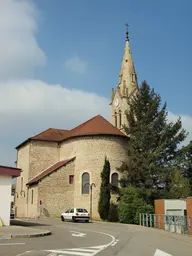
{"x":55,"y":191}
{"x":87,"y":144}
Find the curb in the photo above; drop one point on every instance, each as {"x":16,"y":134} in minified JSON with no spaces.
{"x":45,"y":233}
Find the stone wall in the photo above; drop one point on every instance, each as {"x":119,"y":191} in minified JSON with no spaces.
{"x":23,"y":158}
{"x":32,"y":158}
{"x":42,"y":156}
{"x":68,"y":149}
{"x":90,"y":153}
{"x":55,"y":191}
{"x":33,"y":207}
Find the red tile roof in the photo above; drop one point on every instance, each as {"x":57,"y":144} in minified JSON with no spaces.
{"x":97,"y":125}
{"x":11,"y":171}
{"x":49,"y":171}
{"x":51,"y":134}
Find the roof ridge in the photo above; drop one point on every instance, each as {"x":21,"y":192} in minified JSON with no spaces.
{"x":66,"y":161}
{"x":40,"y":133}
{"x":57,"y":129}
{"x":94,"y":126}
{"x":84,"y":123}
{"x":51,"y":166}
{"x":46,"y":169}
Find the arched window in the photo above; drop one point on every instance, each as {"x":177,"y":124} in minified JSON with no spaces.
{"x":119,"y":118}
{"x":85,"y":183}
{"x":115,"y":119}
{"x":114,"y":182}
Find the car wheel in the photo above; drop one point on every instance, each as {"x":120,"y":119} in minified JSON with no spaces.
{"x":74,"y":219}
{"x":62,"y":218}
{"x":87,"y":221}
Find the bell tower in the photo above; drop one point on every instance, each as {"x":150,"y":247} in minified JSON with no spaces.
{"x":125,"y":88}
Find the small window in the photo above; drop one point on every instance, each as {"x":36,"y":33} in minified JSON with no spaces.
{"x":72,"y":211}
{"x":85,"y":183}
{"x":71,"y":179}
{"x":114,"y":182}
{"x":132,"y":78}
{"x":67,"y":211}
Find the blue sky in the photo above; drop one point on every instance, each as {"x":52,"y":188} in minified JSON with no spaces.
{"x":160,"y":38}
{"x":59,"y":60}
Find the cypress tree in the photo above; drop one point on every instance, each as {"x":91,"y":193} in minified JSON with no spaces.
{"x":105,"y":195}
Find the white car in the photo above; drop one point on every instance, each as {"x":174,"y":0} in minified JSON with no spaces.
{"x":75,"y":214}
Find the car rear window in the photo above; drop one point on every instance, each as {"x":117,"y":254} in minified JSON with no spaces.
{"x":81,"y":210}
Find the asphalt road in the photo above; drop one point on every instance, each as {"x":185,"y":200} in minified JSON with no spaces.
{"x":103,"y":239}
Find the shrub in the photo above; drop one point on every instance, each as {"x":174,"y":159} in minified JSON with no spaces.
{"x":113,"y":213}
{"x":131,"y":205}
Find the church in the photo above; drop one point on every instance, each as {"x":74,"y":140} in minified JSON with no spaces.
{"x":58,"y":166}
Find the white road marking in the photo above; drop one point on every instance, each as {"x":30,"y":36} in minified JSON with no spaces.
{"x":161,"y":253}
{"x":84,"y":251}
{"x":78,"y":234}
{"x":24,"y":254}
{"x":12,"y":244}
{"x":116,"y":241}
{"x":97,"y":247}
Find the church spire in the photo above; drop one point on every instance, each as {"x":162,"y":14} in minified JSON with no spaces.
{"x":127,"y":32}
{"x":127,"y":75}
{"x":126,"y":88}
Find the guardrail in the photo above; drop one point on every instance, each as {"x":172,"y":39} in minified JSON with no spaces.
{"x":171,"y":223}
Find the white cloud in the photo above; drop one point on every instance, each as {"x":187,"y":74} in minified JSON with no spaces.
{"x":19,"y":51}
{"x":76,"y":65}
{"x":29,"y":106}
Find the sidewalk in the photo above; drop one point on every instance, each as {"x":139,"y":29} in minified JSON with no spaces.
{"x":22,"y":229}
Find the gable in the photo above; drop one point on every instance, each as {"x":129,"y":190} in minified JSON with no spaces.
{"x":48,"y":171}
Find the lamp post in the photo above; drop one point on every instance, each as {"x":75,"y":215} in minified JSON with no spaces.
{"x":91,"y":196}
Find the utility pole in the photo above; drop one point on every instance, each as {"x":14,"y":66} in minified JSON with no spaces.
{"x":91,"y":196}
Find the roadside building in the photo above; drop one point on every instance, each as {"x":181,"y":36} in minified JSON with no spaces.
{"x":6,"y":176}
{"x":58,"y":165}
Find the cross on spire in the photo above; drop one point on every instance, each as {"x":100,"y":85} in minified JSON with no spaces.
{"x":127,"y":32}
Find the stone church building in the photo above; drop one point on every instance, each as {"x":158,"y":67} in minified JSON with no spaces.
{"x":58,"y":165}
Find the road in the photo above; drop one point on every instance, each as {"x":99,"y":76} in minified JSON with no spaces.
{"x":102,"y":239}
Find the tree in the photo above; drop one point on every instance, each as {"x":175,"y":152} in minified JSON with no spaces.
{"x":153,"y":144}
{"x":131,"y":205}
{"x":179,"y":186}
{"x":185,"y":162}
{"x":105,"y":191}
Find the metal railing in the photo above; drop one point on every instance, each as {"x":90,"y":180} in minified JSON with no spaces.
{"x":171,"y":223}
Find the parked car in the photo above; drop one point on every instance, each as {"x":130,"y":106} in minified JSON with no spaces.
{"x":75,"y":214}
